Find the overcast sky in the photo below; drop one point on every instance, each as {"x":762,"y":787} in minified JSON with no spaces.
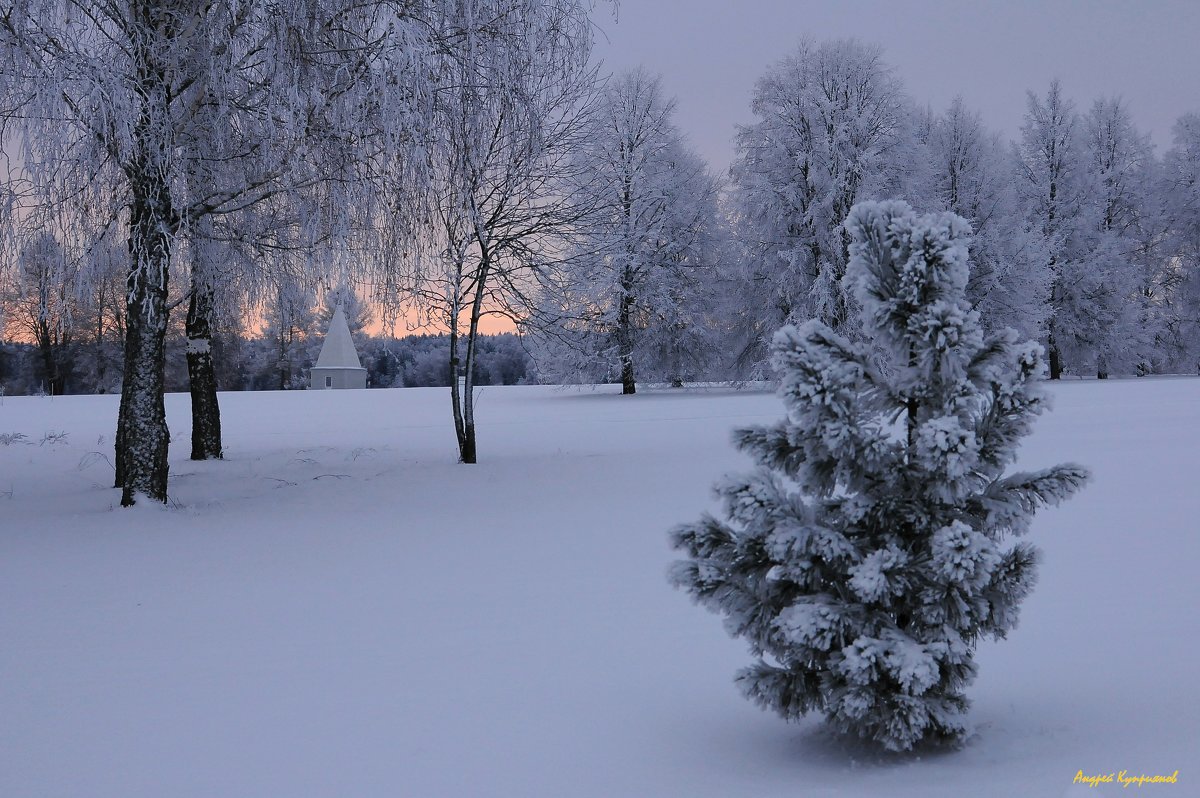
{"x":710,"y":53}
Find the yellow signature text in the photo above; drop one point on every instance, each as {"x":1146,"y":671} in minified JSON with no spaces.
{"x":1124,"y":778}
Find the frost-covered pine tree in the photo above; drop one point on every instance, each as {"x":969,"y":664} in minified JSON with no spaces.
{"x":866,"y":556}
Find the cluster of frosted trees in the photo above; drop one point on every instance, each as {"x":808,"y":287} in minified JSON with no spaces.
{"x":223,"y":161}
{"x":1081,"y":233}
{"x":229,"y":156}
{"x":1084,"y":238}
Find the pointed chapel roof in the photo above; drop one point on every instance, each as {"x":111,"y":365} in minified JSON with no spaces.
{"x":338,"y":351}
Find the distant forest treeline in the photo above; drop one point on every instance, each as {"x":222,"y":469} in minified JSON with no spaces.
{"x":254,"y":364}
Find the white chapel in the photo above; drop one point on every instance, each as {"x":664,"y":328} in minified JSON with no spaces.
{"x":338,"y":365}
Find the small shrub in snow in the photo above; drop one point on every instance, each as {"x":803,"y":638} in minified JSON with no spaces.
{"x":866,"y":555}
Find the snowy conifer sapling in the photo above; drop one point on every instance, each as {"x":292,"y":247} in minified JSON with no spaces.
{"x":866,"y":555}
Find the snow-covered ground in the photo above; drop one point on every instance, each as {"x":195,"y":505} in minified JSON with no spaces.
{"x":339,"y":609}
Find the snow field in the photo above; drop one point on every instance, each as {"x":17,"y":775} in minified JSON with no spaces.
{"x":339,"y":608}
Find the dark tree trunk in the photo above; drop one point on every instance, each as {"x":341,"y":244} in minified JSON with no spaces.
{"x":625,"y":337}
{"x":467,"y":452}
{"x":462,"y":394}
{"x":1055,"y":362}
{"x":202,"y":377}
{"x":466,"y":449}
{"x":284,"y":366}
{"x":1054,"y":355}
{"x":142,"y":437}
{"x":628,"y":383}
{"x":466,"y":441}
{"x":55,"y":381}
{"x":456,"y":399}
{"x":142,"y":434}
{"x":98,"y":353}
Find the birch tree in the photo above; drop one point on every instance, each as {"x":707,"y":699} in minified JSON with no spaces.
{"x":278,"y":161}
{"x":512,"y":81}
{"x":131,"y":95}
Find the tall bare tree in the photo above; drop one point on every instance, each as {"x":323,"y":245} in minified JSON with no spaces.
{"x":512,"y":82}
